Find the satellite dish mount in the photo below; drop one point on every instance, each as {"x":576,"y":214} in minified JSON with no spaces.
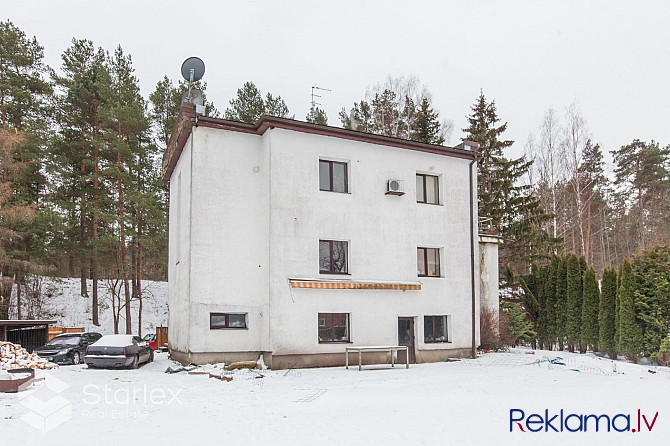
{"x":192,"y":70}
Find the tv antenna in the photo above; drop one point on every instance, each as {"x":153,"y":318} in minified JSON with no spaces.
{"x":192,"y":70}
{"x":314,"y":95}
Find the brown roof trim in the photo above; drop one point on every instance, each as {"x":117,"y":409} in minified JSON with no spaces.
{"x":25,"y":322}
{"x":183,"y":130}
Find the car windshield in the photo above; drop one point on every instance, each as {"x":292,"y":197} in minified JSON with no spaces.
{"x":65,"y":340}
{"x":149,"y":337}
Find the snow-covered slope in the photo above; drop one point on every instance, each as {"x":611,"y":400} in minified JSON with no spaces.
{"x":63,"y":302}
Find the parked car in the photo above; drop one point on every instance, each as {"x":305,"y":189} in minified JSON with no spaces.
{"x":151,"y":340}
{"x":67,"y":348}
{"x":118,"y":350}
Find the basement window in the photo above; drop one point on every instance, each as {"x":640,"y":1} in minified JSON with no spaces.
{"x":435,"y":329}
{"x":227,"y":320}
{"x":333,"y":327}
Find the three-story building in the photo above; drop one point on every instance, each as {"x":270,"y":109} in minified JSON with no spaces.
{"x":293,"y":240}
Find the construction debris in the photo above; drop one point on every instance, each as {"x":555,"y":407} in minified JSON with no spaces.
{"x":244,"y":365}
{"x":13,"y":356}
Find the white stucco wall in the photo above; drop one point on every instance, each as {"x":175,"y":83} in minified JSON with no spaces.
{"x":179,"y":252}
{"x":383,"y":231}
{"x":256,"y":217}
{"x":489,"y":273}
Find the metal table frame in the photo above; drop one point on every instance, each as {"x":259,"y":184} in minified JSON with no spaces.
{"x":390,"y":348}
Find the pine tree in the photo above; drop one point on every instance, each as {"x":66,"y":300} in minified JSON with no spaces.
{"x":511,"y":205}
{"x":426,"y":125}
{"x":248,"y":106}
{"x":642,"y":173}
{"x":360,"y":118}
{"x":11,"y":214}
{"x":606,"y":314}
{"x":316,"y":116}
{"x":127,"y":126}
{"x":83,"y":90}
{"x":24,"y":94}
{"x":574,"y":302}
{"x":165,"y":104}
{"x":276,"y":107}
{"x":591,"y":293}
{"x":629,"y":333}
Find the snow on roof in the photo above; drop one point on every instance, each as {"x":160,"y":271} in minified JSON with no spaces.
{"x":115,"y":340}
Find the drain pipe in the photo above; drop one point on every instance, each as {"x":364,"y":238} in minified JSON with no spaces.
{"x":475,"y":148}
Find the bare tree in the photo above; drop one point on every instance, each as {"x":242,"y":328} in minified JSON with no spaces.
{"x":575,"y":139}
{"x":549,"y":166}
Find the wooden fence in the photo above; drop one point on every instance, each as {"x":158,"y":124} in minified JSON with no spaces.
{"x":55,"y":331}
{"x":161,"y":337}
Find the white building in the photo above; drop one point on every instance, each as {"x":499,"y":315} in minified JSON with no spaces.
{"x":291,"y":240}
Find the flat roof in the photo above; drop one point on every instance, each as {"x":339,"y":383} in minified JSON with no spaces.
{"x":25,"y":322}
{"x":187,"y":119}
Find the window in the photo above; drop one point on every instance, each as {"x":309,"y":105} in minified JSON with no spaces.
{"x":227,"y":320}
{"x":333,"y":176}
{"x":435,"y":329}
{"x":428,"y":262}
{"x":427,"y":189}
{"x":332,"y":257}
{"x":333,"y":327}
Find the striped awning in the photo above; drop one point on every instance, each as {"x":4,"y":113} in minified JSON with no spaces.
{"x":351,"y":285}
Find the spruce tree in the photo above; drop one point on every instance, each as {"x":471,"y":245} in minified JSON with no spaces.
{"x":606,"y":314}
{"x":574,"y":302}
{"x":510,"y":204}
{"x":629,"y":333}
{"x":426,"y":125}
{"x":591,"y":293}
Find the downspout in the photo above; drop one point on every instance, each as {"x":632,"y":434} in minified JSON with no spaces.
{"x":474,"y":148}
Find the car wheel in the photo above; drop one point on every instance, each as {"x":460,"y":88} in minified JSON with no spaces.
{"x":151,"y":356}
{"x":135,"y":363}
{"x":75,"y":358}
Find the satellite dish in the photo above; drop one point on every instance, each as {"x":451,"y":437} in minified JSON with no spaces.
{"x":193,"y":69}
{"x":194,"y":96}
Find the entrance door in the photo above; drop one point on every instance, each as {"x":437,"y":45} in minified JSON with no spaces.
{"x":406,"y":337}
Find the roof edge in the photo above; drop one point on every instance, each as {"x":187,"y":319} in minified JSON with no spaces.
{"x":187,"y":119}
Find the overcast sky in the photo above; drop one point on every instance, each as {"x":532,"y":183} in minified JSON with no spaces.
{"x":610,"y":57}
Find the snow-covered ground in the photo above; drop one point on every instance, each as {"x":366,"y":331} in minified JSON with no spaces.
{"x":466,"y":402}
{"x":64,"y":303}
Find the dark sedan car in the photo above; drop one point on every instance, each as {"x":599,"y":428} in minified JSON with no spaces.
{"x":118,"y":350}
{"x":68,"y":348}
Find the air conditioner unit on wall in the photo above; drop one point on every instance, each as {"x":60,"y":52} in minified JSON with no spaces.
{"x":394,"y":187}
